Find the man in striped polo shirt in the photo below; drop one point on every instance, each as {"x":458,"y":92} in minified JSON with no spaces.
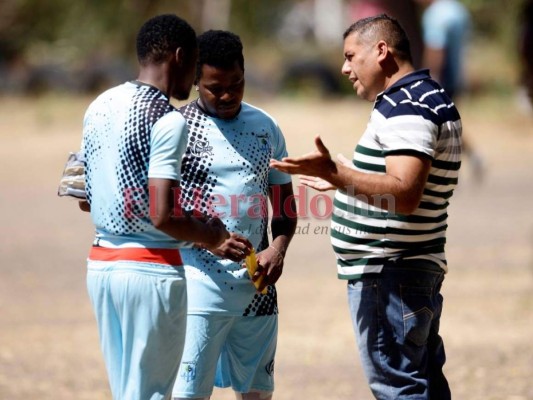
{"x":389,"y":222}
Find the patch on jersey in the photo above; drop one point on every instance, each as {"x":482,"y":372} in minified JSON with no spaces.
{"x":201,"y":148}
{"x":264,"y":142}
{"x":188,"y":371}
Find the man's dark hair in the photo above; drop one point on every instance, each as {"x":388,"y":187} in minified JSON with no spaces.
{"x":163,"y":35}
{"x":383,"y":27}
{"x":219,"y":49}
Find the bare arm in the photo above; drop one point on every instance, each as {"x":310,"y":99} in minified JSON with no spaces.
{"x":169,"y":217}
{"x":284,"y":220}
{"x":177,"y":223}
{"x":403,"y":181}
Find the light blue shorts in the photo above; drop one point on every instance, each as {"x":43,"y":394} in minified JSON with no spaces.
{"x":227,"y":351}
{"x":141,"y":311}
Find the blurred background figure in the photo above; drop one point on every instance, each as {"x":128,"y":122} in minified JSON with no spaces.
{"x":39,"y":55}
{"x":525,"y":49}
{"x":312,"y":29}
{"x":321,"y":21}
{"x":446,"y":26}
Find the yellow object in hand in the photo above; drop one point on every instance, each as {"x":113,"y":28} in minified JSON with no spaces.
{"x":251,"y":266}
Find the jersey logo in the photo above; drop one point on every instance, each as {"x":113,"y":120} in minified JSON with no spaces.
{"x":188,"y":371}
{"x":201,"y":148}
{"x":264,"y":142}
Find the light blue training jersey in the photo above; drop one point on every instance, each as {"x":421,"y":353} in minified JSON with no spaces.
{"x":225,"y":172}
{"x":130,"y":133}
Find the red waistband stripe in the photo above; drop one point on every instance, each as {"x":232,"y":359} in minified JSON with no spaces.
{"x":157,"y":256}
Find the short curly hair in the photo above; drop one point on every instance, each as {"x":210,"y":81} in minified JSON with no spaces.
{"x":219,"y":49}
{"x":163,"y":35}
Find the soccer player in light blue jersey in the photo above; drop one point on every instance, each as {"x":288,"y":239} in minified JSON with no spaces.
{"x":390,"y":216}
{"x":231,"y":325}
{"x":133,"y":142}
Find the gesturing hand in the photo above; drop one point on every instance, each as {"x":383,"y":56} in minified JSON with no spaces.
{"x":316,"y":163}
{"x":316,"y":183}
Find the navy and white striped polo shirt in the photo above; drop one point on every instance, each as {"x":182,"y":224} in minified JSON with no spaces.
{"x":414,"y":116}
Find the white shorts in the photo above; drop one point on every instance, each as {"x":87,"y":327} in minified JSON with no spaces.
{"x":141,"y":311}
{"x":226,"y":351}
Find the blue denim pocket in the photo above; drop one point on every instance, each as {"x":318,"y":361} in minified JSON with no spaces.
{"x":417,"y":311}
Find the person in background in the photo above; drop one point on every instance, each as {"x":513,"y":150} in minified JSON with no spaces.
{"x":389,"y":222}
{"x":133,"y":141}
{"x":446,"y":26}
{"x":232,"y":327}
{"x":525,"y":51}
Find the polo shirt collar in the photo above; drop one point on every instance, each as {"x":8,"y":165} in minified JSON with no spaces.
{"x":412,"y":77}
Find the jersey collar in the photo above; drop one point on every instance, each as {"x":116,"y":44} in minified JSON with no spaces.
{"x":139,"y":83}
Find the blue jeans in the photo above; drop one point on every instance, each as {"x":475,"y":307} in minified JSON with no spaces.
{"x":396,"y":321}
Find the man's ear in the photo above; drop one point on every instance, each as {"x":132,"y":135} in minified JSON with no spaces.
{"x":179,"y":56}
{"x":383,"y":50}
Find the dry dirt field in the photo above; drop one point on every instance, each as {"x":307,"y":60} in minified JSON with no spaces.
{"x":48,"y":338}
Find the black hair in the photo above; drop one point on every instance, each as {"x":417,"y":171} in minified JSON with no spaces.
{"x":383,"y":27}
{"x":163,"y":35}
{"x":219,"y":49}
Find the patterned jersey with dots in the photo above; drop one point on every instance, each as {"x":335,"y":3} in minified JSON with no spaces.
{"x":131,"y":133}
{"x":225,"y":172}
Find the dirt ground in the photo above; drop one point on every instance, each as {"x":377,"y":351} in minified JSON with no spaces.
{"x":48,"y":338}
